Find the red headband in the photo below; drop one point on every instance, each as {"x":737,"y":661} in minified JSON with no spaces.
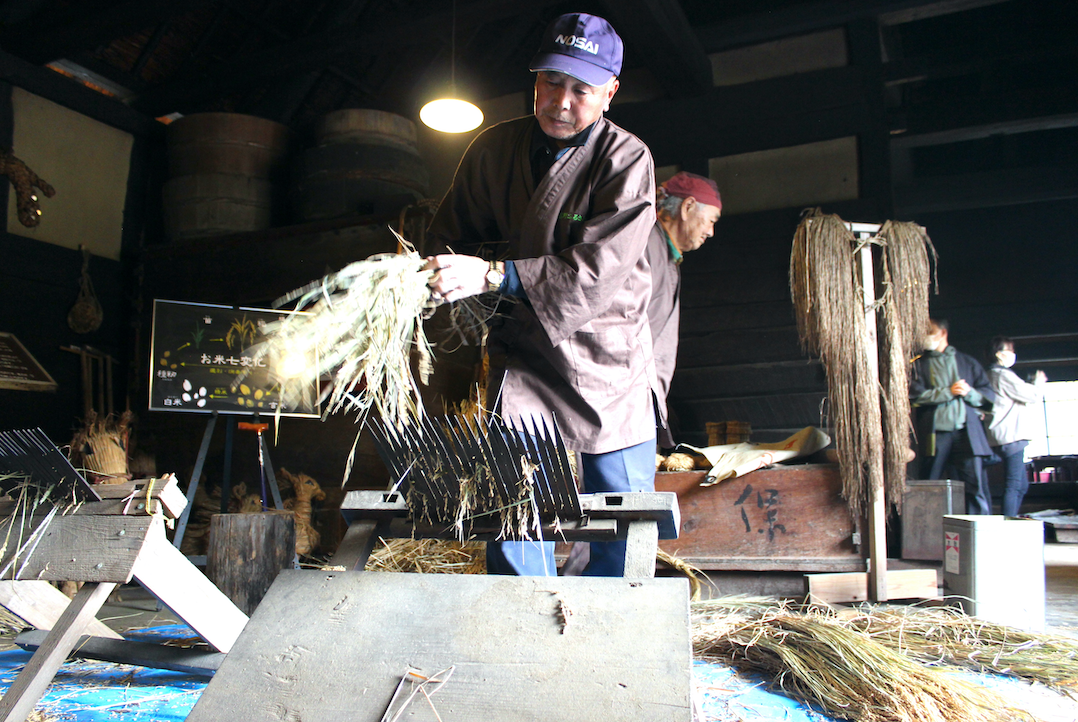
{"x":686,"y":184}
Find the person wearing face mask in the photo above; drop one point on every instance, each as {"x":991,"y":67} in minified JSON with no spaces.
{"x":950,"y":392}
{"x":688,"y":207}
{"x":555,"y":209}
{"x":1010,"y":426}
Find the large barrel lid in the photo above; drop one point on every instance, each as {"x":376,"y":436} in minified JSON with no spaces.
{"x":364,"y":125}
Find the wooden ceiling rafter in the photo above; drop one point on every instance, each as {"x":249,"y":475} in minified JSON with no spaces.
{"x":402,"y":29}
{"x":56,"y":32}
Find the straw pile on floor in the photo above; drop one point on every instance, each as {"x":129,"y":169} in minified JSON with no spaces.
{"x":880,"y":665}
{"x":428,"y":556}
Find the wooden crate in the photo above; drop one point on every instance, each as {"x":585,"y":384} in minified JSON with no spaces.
{"x":789,"y":519}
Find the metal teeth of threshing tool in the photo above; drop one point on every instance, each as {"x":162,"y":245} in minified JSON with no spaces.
{"x":433,"y":455}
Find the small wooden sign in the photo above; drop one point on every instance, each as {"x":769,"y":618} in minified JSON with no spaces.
{"x":19,"y":370}
{"x":207,"y":358}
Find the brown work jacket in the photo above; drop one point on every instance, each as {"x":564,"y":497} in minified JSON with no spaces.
{"x":579,"y":347}
{"x":664,"y":313}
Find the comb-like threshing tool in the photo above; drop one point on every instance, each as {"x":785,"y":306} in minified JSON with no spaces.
{"x":463,"y":478}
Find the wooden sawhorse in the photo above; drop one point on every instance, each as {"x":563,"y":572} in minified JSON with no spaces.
{"x":640,"y":518}
{"x":104,"y":544}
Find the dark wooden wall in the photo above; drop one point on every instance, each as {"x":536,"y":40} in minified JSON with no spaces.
{"x":39,"y":282}
{"x":999,"y":205}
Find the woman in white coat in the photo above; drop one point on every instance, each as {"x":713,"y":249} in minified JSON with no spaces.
{"x":1010,"y":426}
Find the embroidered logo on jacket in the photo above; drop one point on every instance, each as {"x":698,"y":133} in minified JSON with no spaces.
{"x":567,"y":216}
{"x":578,"y":41}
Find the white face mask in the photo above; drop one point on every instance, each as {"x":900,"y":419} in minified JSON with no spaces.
{"x":931,"y":342}
{"x":1006,"y":358}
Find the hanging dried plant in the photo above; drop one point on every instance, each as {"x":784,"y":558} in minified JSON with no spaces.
{"x":907,"y":265}
{"x":830,"y":313}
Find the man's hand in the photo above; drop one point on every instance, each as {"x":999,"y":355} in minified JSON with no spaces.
{"x":960,"y":388}
{"x":457,"y":276}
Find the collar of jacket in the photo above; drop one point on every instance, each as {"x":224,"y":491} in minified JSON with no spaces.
{"x":675,"y":255}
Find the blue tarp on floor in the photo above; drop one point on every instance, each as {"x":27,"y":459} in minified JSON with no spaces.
{"x":89,"y":691}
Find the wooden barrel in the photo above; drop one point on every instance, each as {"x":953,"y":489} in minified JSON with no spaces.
{"x":226,"y":143}
{"x":369,"y":127}
{"x":247,"y":551}
{"x":338,"y":179}
{"x":211,"y":204}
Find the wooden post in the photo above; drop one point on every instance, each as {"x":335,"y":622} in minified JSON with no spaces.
{"x":23,"y":694}
{"x":246,"y":553}
{"x":877,"y":505}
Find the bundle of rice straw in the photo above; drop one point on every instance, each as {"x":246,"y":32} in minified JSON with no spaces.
{"x":945,"y":635}
{"x":814,"y":657}
{"x":101,"y":447}
{"x":361,"y":325}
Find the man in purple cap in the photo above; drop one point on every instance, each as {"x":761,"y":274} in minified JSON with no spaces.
{"x":688,"y":207}
{"x":555,"y":209}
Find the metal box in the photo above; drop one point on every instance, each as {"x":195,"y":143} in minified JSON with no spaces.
{"x":924,"y":504}
{"x":995,"y":567}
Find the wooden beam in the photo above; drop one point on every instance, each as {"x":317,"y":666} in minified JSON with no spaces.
{"x":1016,"y":106}
{"x":659,"y":36}
{"x":809,"y":17}
{"x":21,"y":698}
{"x":40,"y":604}
{"x":846,"y":587}
{"x":81,"y":27}
{"x":977,"y":132}
{"x":169,"y":576}
{"x":1013,"y":186}
{"x":194,"y":661}
{"x":72,"y":94}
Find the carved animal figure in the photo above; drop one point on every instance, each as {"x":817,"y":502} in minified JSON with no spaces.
{"x":306,"y":490}
{"x":24,"y":180}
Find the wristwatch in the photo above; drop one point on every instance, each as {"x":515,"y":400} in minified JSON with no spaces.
{"x":495,"y":275}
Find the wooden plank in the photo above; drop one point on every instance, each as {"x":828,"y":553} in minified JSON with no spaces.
{"x":854,"y":586}
{"x":19,"y":700}
{"x":522,"y":648}
{"x":772,"y":519}
{"x":165,"y":490}
{"x":358,"y":543}
{"x":145,"y":654}
{"x":40,"y":604}
{"x":171,"y":577}
{"x":130,"y":499}
{"x":79,"y":548}
{"x":641,"y":543}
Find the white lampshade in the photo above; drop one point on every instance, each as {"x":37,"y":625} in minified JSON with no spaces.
{"x":450,"y":115}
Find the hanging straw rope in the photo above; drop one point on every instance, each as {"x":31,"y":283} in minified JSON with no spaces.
{"x":907,"y":264}
{"x":830,"y":313}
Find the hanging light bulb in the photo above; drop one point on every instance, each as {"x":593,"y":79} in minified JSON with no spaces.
{"x":451,"y":115}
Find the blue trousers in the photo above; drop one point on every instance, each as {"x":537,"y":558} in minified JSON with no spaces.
{"x":629,"y":469}
{"x":953,"y":452}
{"x":1014,"y":469}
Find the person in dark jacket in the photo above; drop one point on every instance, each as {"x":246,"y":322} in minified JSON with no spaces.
{"x":688,"y":206}
{"x":556,"y":207}
{"x":950,"y":393}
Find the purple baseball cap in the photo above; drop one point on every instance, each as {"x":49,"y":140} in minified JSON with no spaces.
{"x":581,"y":45}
